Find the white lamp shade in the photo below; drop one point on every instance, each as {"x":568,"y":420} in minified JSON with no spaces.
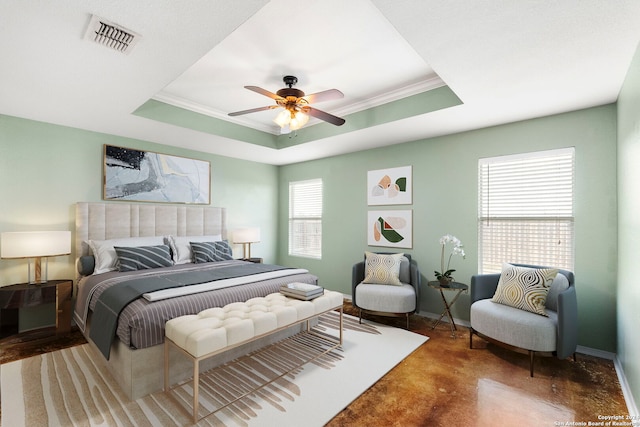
{"x":32,"y":244}
{"x":283,"y":118}
{"x":298,"y":121}
{"x":246,"y":235}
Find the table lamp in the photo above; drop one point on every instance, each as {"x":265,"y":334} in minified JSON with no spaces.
{"x":246,"y":236}
{"x":36,"y":245}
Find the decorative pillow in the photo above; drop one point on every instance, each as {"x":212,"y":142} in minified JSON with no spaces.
{"x":382,"y":269}
{"x":211,"y":251}
{"x":524,"y":288}
{"x":223,"y":247}
{"x":86,"y":264}
{"x":143,"y":257}
{"x":105,"y":255}
{"x":181,"y":246}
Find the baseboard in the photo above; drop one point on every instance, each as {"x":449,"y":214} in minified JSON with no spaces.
{"x":596,"y":353}
{"x":626,"y":390}
{"x":428,"y":315}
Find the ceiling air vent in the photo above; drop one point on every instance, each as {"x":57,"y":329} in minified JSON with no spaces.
{"x":111,"y":35}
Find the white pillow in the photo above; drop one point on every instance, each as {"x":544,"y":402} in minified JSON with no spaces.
{"x":181,"y":247}
{"x":105,"y":254}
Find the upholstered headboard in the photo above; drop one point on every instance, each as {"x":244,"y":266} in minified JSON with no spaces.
{"x":102,"y":221}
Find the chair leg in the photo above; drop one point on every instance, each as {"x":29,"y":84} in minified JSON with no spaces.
{"x":360,"y":314}
{"x":470,"y":338}
{"x":531,"y":363}
{"x":407,"y":321}
{"x":574,"y":357}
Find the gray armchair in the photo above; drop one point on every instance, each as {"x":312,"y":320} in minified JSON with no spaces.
{"x":555,"y":335}
{"x":387,"y":300}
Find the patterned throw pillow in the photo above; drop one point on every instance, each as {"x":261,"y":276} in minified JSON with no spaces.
{"x":143,"y":257}
{"x":223,"y":247}
{"x":211,"y":251}
{"x":382,"y":269}
{"x":181,"y":246}
{"x":106,"y":258}
{"x":524,"y":288}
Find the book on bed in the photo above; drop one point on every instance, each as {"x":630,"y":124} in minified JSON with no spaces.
{"x":303,"y":291}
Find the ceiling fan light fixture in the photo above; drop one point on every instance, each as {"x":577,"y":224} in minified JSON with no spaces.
{"x":296,"y":105}
{"x":298,"y":120}
{"x":283,"y":118}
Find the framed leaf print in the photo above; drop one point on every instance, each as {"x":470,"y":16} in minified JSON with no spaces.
{"x":390,"y":186}
{"x":390,"y":228}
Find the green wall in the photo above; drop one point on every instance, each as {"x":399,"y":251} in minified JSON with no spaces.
{"x":45,"y":169}
{"x":445,"y":173}
{"x":629,"y":226}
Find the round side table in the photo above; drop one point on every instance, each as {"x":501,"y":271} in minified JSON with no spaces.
{"x":458,"y":288}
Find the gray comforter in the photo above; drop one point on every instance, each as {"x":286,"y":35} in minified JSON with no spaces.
{"x":141,"y":323}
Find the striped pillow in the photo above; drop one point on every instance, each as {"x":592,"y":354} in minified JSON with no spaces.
{"x":525,"y":288}
{"x":143,"y":257}
{"x":211,"y":251}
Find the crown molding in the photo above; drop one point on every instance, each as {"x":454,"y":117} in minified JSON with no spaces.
{"x":196,"y":107}
{"x":375,"y":101}
{"x":395,"y":95}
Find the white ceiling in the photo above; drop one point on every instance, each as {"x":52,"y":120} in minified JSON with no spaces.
{"x":507,"y":60}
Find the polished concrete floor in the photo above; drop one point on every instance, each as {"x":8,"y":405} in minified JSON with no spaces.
{"x":444,"y":383}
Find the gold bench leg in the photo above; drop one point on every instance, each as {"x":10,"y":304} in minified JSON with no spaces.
{"x":196,"y":383}
{"x":166,"y":365}
{"x":341,"y":325}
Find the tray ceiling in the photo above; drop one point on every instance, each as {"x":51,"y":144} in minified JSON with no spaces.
{"x":409,"y":69}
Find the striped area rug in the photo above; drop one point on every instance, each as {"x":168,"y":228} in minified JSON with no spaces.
{"x":66,"y":388}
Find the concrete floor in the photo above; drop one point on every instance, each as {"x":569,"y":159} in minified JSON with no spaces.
{"x":444,"y":383}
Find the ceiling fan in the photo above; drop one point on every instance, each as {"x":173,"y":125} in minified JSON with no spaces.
{"x":294,"y":101}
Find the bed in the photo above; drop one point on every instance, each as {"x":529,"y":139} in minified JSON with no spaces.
{"x":127,"y":337}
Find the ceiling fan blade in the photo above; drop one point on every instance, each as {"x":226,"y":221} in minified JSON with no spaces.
{"x":263,"y":92}
{"x":319,"y":114}
{"x":326,"y":95}
{"x":253,"y":110}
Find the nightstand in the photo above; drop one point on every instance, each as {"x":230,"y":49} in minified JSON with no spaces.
{"x":255,"y":260}
{"x":15,"y":297}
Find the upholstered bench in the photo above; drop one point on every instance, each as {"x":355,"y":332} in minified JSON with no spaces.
{"x":219,"y":329}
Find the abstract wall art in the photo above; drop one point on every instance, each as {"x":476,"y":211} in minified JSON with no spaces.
{"x":389,"y":186}
{"x":390,"y":228}
{"x":144,"y":176}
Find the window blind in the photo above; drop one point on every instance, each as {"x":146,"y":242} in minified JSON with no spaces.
{"x":305,"y":218}
{"x":525,"y":210}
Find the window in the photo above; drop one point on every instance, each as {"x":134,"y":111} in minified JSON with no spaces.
{"x":525,"y":210}
{"x":305,"y":218}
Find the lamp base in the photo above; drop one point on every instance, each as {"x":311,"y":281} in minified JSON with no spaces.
{"x":37,"y":278}
{"x":246,"y":250}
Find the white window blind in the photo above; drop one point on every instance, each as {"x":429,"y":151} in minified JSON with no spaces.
{"x":525,"y":210}
{"x":305,"y":218}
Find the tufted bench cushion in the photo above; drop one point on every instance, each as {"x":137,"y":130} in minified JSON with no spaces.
{"x":214,"y":329}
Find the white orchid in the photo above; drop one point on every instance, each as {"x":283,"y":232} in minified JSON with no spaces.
{"x":457,"y":250}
